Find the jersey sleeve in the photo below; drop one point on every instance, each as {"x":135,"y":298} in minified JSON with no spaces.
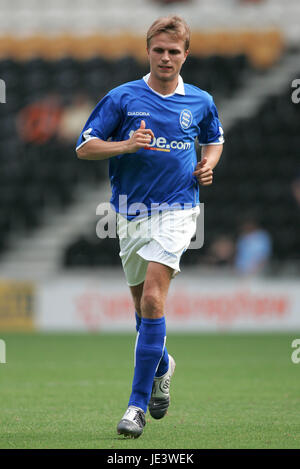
{"x":211,"y":132}
{"x":102,"y":123}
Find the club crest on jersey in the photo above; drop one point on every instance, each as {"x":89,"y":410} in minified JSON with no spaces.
{"x":186,"y":119}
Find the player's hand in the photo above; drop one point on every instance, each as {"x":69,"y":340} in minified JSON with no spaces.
{"x":140,"y":138}
{"x":203,"y":173}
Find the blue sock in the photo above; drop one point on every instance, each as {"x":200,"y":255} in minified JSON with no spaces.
{"x":148,"y":353}
{"x":164,"y":362}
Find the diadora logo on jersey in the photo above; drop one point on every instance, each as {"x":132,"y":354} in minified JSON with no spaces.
{"x":185,"y":119}
{"x":138,"y":113}
{"x":161,"y":144}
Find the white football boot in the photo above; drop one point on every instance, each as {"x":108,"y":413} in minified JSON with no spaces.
{"x":160,"y":396}
{"x":132,"y":422}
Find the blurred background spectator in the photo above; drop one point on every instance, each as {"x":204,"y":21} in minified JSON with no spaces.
{"x":253,"y":249}
{"x":39,"y":121}
{"x":73,"y":115}
{"x":221,"y":252}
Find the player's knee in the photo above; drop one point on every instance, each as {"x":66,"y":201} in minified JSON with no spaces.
{"x":151,"y":306}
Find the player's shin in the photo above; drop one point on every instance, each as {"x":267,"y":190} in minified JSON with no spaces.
{"x":150,"y":346}
{"x":163,"y":365}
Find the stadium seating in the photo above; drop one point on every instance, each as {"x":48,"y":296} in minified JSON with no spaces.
{"x":39,"y":170}
{"x":263,"y":47}
{"x":259,"y":163}
{"x":257,"y":167}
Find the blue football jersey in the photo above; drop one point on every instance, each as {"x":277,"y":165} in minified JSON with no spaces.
{"x":161,"y":174}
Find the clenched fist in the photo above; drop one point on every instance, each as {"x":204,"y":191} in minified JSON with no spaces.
{"x":203,"y":173}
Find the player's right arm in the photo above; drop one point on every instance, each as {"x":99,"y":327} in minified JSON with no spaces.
{"x":97,"y":149}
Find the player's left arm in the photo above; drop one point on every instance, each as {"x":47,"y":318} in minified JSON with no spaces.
{"x":205,"y":168}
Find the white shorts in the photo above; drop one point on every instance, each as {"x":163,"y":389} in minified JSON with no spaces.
{"x":161,"y":238}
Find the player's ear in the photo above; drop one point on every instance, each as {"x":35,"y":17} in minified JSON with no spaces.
{"x":186,"y":54}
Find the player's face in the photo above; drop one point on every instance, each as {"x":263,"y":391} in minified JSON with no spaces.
{"x":166,"y":56}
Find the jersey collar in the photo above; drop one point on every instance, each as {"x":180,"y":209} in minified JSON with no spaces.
{"x":179,"y":89}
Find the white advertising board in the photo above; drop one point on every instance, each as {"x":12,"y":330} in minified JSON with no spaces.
{"x":194,"y":304}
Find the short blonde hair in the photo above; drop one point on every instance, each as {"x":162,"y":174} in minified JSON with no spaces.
{"x":174,"y":25}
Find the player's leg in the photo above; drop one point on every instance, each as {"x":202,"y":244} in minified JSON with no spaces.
{"x":137,"y":292}
{"x":149,"y":348}
{"x":147,"y":263}
{"x":155,"y":290}
{"x":153,"y":301}
{"x":151,"y":338}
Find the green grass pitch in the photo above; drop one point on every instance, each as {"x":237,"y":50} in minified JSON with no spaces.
{"x":228,"y":391}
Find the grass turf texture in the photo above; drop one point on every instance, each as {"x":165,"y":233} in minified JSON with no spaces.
{"x":228,"y":391}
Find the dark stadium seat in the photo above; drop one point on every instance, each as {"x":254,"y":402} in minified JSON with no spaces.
{"x":80,"y":253}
